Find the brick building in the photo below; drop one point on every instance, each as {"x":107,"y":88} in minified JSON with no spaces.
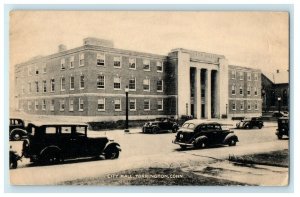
{"x":90,"y":81}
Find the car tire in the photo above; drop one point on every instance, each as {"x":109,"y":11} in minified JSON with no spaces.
{"x":279,"y":136}
{"x":183,"y":147}
{"x":260,"y":126}
{"x":16,"y":136}
{"x":155,"y":130}
{"x":201,"y":144}
{"x":232,"y":142}
{"x":50,"y":157}
{"x":175,"y":129}
{"x":112,"y":153}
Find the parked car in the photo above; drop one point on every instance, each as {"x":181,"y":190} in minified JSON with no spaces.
{"x":283,"y":127}
{"x":17,"y":129}
{"x":280,"y":114}
{"x":56,"y":142}
{"x":160,"y":125}
{"x":200,"y":135}
{"x":250,"y":123}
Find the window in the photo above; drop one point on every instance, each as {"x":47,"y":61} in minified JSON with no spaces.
{"x":233,"y":106}
{"x":44,"y":68}
{"x":29,"y":87}
{"x":117,"y":104}
{"x":233,"y":74}
{"x":100,"y":59}
{"x":255,"y":91}
{"x":81,"y":104}
{"x":62,"y":64}
{"x":160,"y":104}
{"x":62,"y":84}
{"x":100,"y":82}
{"x":52,"y":85}
{"x":72,"y":83}
{"x":117,"y":83}
{"x":44,"y":86}
{"x":81,"y":59}
{"x":101,"y":104}
{"x":146,"y":65}
{"x":241,"y":90}
{"x":81,"y":82}
{"x":248,"y":90}
{"x":242,"y":105}
{"x":71,"y":105}
{"x":233,"y":89}
{"x":29,"y":105}
{"x":146,"y":104}
{"x":36,"y":70}
{"x":71,"y":65}
{"x":159,"y":66}
{"x":132,"y":63}
{"x":241,"y":76}
{"x":23,"y":89}
{"x":36,"y":105}
{"x":132,"y":104}
{"x":248,"y":105}
{"x":52,"y":105}
{"x":44,"y":105}
{"x":37,"y":86}
{"x":117,"y":62}
{"x":256,"y":105}
{"x":62,"y":105}
{"x":146,"y":84}
{"x":249,"y":76}
{"x":160,"y":86}
{"x":256,"y":77}
{"x":132,"y":84}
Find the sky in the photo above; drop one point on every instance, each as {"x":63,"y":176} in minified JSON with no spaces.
{"x":251,"y":39}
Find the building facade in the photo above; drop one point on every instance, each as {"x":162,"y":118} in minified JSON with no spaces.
{"x":90,"y":81}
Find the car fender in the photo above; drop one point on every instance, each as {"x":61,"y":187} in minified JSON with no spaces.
{"x":229,"y":137}
{"x":50,"y":148}
{"x":200,"y":139}
{"x":22,"y":131}
{"x":110,"y":145}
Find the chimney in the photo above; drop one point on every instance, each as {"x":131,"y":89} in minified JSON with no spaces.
{"x":62,"y":47}
{"x":277,"y":71}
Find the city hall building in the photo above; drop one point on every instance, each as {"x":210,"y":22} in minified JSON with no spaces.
{"x":90,"y":80}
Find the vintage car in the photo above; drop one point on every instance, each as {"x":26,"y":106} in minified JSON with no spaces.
{"x":160,"y":125}
{"x":283,"y":127}
{"x":197,"y":134}
{"x":56,"y":142}
{"x":17,"y":129}
{"x":280,"y":114}
{"x":250,"y":123}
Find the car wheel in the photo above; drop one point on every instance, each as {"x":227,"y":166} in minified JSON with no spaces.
{"x":260,"y":126}
{"x":50,"y":157}
{"x":175,"y":129}
{"x":247,"y":126}
{"x":16,"y":136}
{"x":112,"y":153}
{"x":279,"y":137}
{"x":155,"y":130}
{"x":13,"y":165}
{"x":232,"y":142}
{"x":201,"y":145}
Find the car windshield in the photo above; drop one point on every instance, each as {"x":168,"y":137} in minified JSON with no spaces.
{"x":188,"y":125}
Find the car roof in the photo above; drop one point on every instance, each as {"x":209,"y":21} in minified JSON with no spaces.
{"x":198,"y":122}
{"x":56,"y":125}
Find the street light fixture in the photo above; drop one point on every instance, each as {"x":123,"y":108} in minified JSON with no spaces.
{"x":126,"y":121}
{"x":279,"y":106}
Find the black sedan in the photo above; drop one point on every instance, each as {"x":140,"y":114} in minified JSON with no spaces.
{"x":250,"y":123}
{"x":200,"y":135}
{"x":160,"y":125}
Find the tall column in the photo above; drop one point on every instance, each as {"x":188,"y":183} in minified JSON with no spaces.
{"x":217,"y":95}
{"x":198,"y":93}
{"x":208,"y":94}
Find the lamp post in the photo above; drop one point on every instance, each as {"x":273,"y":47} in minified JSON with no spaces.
{"x":126,"y":121}
{"x":226,"y":110}
{"x":279,"y":100}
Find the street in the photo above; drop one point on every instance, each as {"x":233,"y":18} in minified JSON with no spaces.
{"x":144,"y":150}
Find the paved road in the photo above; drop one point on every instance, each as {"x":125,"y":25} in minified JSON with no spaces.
{"x":144,"y":150}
